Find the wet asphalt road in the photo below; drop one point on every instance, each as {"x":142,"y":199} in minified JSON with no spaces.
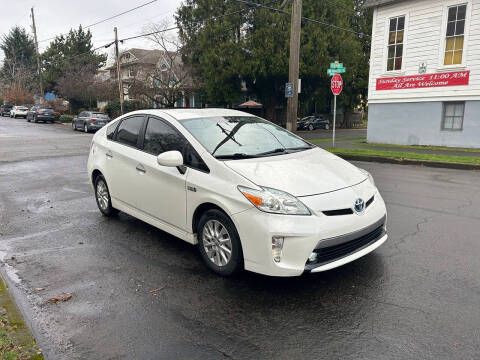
{"x":416,"y":297}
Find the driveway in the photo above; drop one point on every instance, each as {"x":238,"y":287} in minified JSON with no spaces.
{"x":139,"y":293}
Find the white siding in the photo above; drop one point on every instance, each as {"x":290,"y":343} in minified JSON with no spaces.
{"x":424,"y":42}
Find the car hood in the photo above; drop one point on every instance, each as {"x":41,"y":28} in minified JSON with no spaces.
{"x":309,"y":172}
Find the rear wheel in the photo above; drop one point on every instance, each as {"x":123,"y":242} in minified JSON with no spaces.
{"x":310,"y":127}
{"x":219,"y":243}
{"x":73,"y":126}
{"x":85,"y":128}
{"x":327,"y":127}
{"x":102,"y":195}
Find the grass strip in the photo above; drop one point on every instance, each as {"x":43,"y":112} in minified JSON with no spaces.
{"x":401,"y":155}
{"x":16,"y":341}
{"x":420,"y":147}
{"x":338,"y":139}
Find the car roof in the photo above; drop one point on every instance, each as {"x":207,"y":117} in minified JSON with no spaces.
{"x":183,"y":114}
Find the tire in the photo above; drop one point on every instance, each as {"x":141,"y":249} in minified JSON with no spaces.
{"x":85,"y":128}
{"x":310,"y":127}
{"x":34,"y":119}
{"x":73,"y":126}
{"x":102,"y":196}
{"x":213,"y":259}
{"x":327,"y":127}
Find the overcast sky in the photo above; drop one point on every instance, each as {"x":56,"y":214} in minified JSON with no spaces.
{"x":53,"y":17}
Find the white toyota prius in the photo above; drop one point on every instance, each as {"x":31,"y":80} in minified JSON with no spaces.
{"x":251,"y":194}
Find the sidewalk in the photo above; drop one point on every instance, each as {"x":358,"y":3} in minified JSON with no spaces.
{"x":354,"y":148}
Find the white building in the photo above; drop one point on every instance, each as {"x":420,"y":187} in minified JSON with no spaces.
{"x":424,"y":86}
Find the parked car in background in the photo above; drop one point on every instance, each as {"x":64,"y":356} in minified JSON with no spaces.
{"x":5,"y":110}
{"x":313,"y":123}
{"x":229,"y":182}
{"x":19,"y":111}
{"x":90,"y":121}
{"x":41,"y":113}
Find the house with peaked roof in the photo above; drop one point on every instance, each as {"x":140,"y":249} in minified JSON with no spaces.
{"x":424,"y":85}
{"x":151,"y":66}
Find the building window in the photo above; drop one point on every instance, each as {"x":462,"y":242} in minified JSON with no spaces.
{"x":395,"y":43}
{"x":453,"y":115}
{"x":455,"y":34}
{"x":131,"y":71}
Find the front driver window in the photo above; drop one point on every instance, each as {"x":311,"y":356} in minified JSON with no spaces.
{"x":161,"y":137}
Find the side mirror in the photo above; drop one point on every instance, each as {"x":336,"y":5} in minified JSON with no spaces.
{"x":170,"y":158}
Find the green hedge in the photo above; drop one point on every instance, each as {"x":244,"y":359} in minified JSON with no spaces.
{"x":66,"y":118}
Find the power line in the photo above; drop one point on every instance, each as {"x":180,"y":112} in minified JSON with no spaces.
{"x":304,"y":18}
{"x":157,"y":32}
{"x":107,"y":19}
{"x":191,"y":22}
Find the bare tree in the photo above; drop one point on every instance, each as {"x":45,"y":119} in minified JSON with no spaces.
{"x":170,"y":80}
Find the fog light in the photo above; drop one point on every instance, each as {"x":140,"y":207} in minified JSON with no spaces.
{"x":313,"y":257}
{"x":277,"y":246}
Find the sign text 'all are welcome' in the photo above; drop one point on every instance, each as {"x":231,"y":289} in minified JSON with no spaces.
{"x":424,"y":81}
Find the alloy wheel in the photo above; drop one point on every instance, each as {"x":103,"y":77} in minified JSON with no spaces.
{"x":217,"y":242}
{"x":103,"y":197}
{"x":85,"y":128}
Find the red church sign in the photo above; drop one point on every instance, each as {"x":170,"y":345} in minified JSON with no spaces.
{"x":424,"y":81}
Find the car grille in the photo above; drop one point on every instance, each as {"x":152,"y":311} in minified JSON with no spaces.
{"x":335,"y":252}
{"x":348,"y":211}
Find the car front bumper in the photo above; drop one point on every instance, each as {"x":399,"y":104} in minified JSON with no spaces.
{"x":304,"y":235}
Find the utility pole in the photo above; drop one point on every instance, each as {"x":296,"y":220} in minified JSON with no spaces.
{"x":293,"y":69}
{"x":119,"y":77}
{"x":39,"y":68}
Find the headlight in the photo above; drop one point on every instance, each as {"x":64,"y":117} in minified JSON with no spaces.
{"x":274,"y":201}
{"x":370,"y":177}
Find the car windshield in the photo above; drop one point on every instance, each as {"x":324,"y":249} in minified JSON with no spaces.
{"x":239,"y":137}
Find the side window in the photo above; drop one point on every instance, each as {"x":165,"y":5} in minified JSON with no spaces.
{"x":453,"y":113}
{"x":129,"y":130}
{"x":455,"y":34}
{"x":82,"y":114}
{"x":395,"y":43}
{"x":111,"y":130}
{"x":161,"y":137}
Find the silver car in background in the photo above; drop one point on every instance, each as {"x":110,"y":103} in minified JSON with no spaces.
{"x":90,"y":121}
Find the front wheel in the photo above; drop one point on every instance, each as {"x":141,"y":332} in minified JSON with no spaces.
{"x":327,"y":127}
{"x":310,"y":127}
{"x":74,"y":128}
{"x":102,"y":195}
{"x":85,"y":128}
{"x":219,"y":243}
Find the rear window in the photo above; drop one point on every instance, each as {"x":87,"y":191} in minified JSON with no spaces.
{"x":100,"y":115}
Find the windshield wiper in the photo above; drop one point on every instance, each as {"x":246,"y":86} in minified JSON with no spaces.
{"x":300,"y":148}
{"x":274,"y":151}
{"x":234,"y":156}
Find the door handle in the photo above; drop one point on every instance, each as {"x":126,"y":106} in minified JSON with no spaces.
{"x":141,"y":169}
{"x":109,"y":154}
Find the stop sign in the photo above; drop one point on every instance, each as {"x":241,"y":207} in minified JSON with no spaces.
{"x":336,"y":84}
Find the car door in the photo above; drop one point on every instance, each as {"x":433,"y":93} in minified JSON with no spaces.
{"x":80,"y":120}
{"x":121,"y":165}
{"x":163,"y":193}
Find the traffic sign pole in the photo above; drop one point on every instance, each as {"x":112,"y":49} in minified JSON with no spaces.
{"x":336,"y":85}
{"x":334,"y":117}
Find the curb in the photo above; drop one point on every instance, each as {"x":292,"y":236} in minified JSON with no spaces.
{"x":388,"y":160}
